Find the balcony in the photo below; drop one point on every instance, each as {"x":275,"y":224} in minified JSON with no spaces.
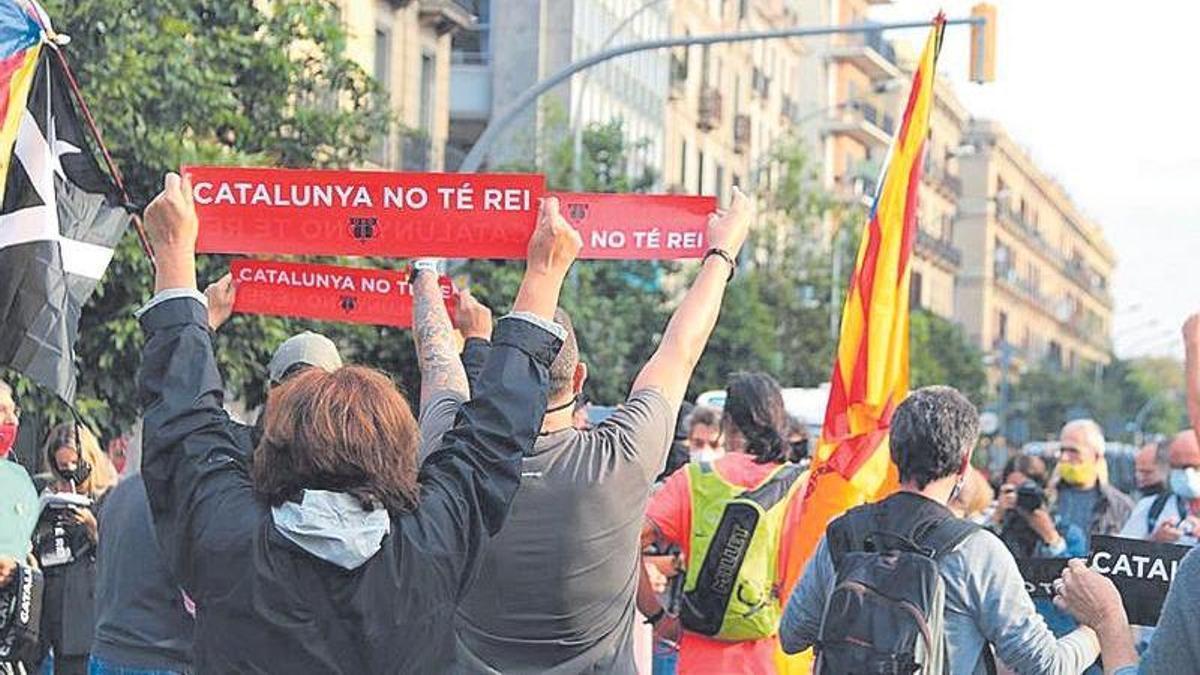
{"x":1078,"y":271}
{"x":445,"y":16}
{"x":938,"y":250}
{"x":1073,"y":269}
{"x":858,"y":185}
{"x":940,"y":178}
{"x":863,"y":123}
{"x":741,"y":134}
{"x":1006,"y":277}
{"x":709,"y":109}
{"x":869,"y":53}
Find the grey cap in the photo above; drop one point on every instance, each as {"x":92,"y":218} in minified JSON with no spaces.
{"x":307,"y":348}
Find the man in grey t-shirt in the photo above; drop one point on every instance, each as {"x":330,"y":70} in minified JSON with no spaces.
{"x":557,"y":586}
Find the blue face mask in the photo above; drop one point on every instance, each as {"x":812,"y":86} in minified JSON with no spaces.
{"x":1186,"y":482}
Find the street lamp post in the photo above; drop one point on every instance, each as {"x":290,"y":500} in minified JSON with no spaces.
{"x":577,"y":149}
{"x":487,"y":139}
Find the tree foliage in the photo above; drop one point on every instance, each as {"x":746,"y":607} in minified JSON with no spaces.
{"x":940,"y":353}
{"x":1130,"y":399}
{"x":206,"y":81}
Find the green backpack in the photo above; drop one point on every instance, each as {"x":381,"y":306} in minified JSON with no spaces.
{"x":732,"y":595}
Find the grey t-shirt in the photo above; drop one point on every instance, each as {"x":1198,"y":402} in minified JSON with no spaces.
{"x":557,"y":587}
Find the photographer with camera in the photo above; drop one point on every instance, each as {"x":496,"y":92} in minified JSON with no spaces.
{"x":1024,"y":522}
{"x":64,"y":543}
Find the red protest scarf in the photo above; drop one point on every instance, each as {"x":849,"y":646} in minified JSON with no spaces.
{"x":328,"y":292}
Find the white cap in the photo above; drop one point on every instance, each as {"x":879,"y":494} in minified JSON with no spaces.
{"x":307,"y":348}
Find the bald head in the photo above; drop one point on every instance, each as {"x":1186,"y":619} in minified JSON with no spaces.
{"x":1150,"y":466}
{"x":1184,"y":450}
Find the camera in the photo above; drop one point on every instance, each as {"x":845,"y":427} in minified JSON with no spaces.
{"x":1030,"y":496}
{"x":58,"y":539}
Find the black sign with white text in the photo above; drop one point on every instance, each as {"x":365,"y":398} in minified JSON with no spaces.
{"x":1142,"y":571}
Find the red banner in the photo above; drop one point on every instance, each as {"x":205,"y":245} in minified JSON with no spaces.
{"x":639,"y":227}
{"x":328,"y":292}
{"x":360,"y":213}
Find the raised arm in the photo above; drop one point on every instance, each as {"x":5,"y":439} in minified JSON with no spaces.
{"x":474,"y":322}
{"x":187,"y":453}
{"x":671,"y":366}
{"x":467,"y":485}
{"x":441,"y":369}
{"x":1191,"y":343}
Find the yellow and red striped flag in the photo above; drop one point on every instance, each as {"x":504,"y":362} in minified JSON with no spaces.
{"x":870,"y":377}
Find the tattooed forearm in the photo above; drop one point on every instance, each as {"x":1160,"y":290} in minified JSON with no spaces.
{"x":441,"y":369}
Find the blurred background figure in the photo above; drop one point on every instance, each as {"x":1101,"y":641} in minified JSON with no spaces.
{"x":1150,"y":467}
{"x":64,"y":543}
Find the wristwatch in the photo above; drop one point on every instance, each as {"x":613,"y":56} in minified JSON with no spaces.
{"x":434,"y":265}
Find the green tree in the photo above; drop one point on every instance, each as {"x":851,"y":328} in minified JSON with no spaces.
{"x":209,"y":81}
{"x":619,"y":308}
{"x":940,"y":353}
{"x":1130,"y":398}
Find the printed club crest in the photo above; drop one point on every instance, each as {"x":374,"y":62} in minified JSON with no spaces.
{"x":364,"y":228}
{"x":348,"y":303}
{"x":577,"y":211}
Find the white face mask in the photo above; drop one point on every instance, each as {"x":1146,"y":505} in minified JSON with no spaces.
{"x":1186,"y":482}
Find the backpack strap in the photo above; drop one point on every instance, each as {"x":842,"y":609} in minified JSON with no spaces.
{"x":946,"y":535}
{"x":775,"y":488}
{"x":1156,"y":509}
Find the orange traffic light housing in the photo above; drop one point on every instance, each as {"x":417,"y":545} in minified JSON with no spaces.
{"x":983,"y":43}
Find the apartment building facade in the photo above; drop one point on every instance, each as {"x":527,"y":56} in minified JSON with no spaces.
{"x":405,"y":46}
{"x":729,"y":104}
{"x":1034,"y":288}
{"x":516,"y":43}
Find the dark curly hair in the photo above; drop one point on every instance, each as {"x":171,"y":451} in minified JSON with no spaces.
{"x":754,"y":406}
{"x":932,"y":432}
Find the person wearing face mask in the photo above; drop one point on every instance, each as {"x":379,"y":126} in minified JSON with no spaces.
{"x":1173,"y":516}
{"x":1150,"y":468}
{"x":64,"y":543}
{"x":18,"y":498}
{"x":1085,"y":498}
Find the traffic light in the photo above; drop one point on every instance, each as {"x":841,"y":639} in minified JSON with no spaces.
{"x":983,"y":43}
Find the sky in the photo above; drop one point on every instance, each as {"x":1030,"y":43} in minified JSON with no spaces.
{"x":1104,"y":95}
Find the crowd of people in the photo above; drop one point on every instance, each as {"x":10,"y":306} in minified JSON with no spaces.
{"x":495,"y":529}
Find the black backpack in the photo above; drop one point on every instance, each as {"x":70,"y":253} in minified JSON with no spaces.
{"x":885,"y":613}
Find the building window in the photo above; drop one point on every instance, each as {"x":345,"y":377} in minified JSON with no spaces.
{"x":428,"y":85}
{"x":683,"y":155}
{"x":382,"y":72}
{"x":700,"y":173}
{"x":1002,"y":326}
{"x":1054,"y":354}
{"x":720,"y":179}
{"x":914,"y":291}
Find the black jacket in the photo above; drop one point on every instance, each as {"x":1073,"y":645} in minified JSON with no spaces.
{"x":264,"y":605}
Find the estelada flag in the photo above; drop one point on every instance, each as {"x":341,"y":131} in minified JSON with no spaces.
{"x":870,"y":376}
{"x":60,"y":215}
